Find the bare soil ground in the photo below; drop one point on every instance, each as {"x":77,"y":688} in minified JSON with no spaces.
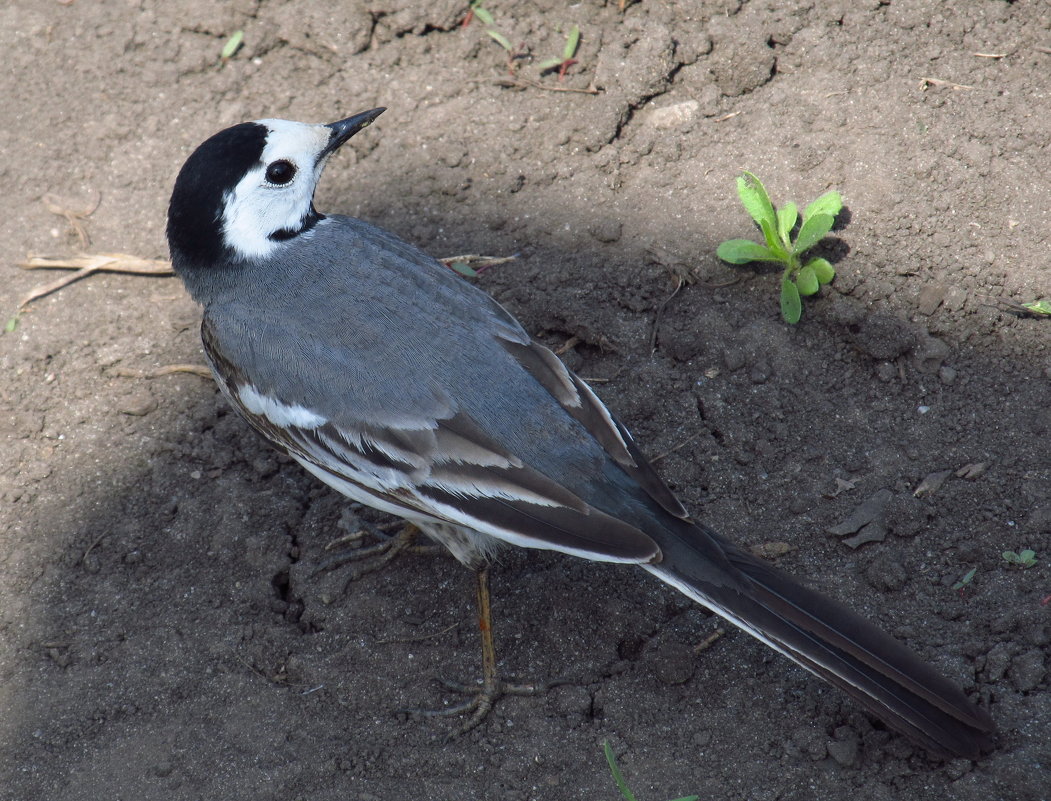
{"x":162,"y":632}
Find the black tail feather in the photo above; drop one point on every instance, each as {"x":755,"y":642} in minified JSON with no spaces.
{"x":826,"y":638}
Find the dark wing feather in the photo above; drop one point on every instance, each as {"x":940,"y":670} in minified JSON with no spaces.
{"x":447,"y":470}
{"x":577,"y":399}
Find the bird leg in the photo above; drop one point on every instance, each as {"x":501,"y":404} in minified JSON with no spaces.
{"x":483,"y":698}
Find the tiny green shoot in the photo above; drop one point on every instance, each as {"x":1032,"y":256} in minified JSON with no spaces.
{"x":477,"y":10}
{"x":464,"y":269}
{"x":502,"y":40}
{"x":1041,"y":307}
{"x":799,"y":278}
{"x":567,"y":60}
{"x":965,"y":579}
{"x":233,"y":44}
{"x":1024,"y":559}
{"x":622,"y":785}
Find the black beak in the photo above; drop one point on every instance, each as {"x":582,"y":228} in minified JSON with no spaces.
{"x":344,"y":129}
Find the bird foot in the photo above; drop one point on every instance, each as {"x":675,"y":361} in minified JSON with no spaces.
{"x":378,"y":555}
{"x":482,"y":699}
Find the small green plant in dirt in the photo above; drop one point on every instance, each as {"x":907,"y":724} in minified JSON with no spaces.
{"x":965,"y":579}
{"x":778,"y":226}
{"x":476,"y":9}
{"x":622,"y":785}
{"x":1023,"y":559}
{"x":1041,"y":308}
{"x":567,"y":60}
{"x":512,"y":54}
{"x":233,"y":44}
{"x":1032,"y":308}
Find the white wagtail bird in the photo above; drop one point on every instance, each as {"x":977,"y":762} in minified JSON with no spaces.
{"x":407,"y":389}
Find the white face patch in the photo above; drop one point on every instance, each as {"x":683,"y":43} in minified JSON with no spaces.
{"x":256,"y":208}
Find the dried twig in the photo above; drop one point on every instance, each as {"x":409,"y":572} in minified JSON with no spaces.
{"x":421,"y":637}
{"x":86,"y":265}
{"x":660,"y":312}
{"x":130,"y":372}
{"x":708,"y":641}
{"x":568,"y":345}
{"x":525,"y":83}
{"x":925,"y":82}
{"x":74,"y":217}
{"x":681,"y":445}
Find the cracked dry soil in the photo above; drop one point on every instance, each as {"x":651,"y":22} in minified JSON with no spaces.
{"x":162,"y":630}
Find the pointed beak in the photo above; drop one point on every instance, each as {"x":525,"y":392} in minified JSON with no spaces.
{"x":344,"y":129}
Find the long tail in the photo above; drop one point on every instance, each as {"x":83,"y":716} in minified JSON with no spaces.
{"x":826,"y":638}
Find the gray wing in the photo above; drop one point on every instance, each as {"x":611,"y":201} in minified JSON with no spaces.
{"x":409,"y":389}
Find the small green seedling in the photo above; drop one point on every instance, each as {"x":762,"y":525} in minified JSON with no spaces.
{"x":502,"y":40}
{"x":777,"y":225}
{"x":476,"y":10}
{"x":233,"y":44}
{"x":1025,"y":559}
{"x":622,"y":785}
{"x":965,"y":579}
{"x":1038,"y":307}
{"x":568,"y":53}
{"x":11,"y":325}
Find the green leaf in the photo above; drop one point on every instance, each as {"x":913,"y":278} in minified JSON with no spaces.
{"x":965,"y":579}
{"x":11,"y":325}
{"x":232,"y":45}
{"x":618,"y":777}
{"x":786,"y":221}
{"x":742,"y":251}
{"x":549,"y":64}
{"x":1038,"y":307}
{"x":806,"y":281}
{"x":756,"y":202}
{"x":791,"y":305}
{"x":1027,"y":556}
{"x":463,"y":269}
{"x":813,"y":230}
{"x":824,"y":271}
{"x":572,"y":43}
{"x":1010,"y":556}
{"x":829,"y":203}
{"x":483,"y":15}
{"x":501,"y":40}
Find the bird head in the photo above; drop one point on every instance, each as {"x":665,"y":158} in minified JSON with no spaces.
{"x":249,"y":188}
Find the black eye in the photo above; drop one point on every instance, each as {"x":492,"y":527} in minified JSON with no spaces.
{"x":280,"y":172}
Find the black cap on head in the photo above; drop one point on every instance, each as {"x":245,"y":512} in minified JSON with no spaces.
{"x":213,"y":169}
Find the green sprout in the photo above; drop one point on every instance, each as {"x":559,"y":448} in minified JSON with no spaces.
{"x":512,"y":54}
{"x":799,"y":278}
{"x":622,"y":785}
{"x":233,"y":44}
{"x":1025,"y":559}
{"x":965,"y":579}
{"x":476,"y":10}
{"x":1038,"y":307}
{"x":568,"y":52}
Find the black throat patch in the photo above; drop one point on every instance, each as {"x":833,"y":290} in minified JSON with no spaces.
{"x":313,"y":218}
